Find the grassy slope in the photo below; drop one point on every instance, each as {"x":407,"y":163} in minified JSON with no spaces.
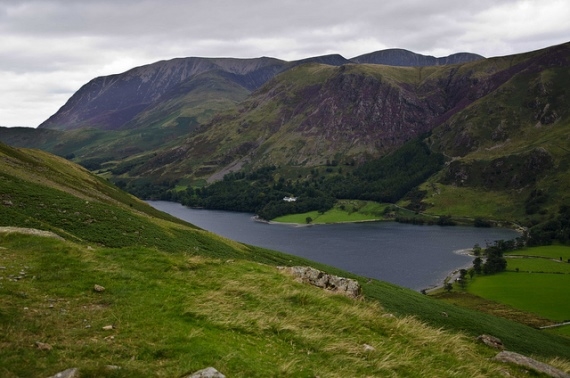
{"x":176,"y":313}
{"x":173,"y":293}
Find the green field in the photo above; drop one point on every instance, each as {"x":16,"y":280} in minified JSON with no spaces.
{"x":549,"y":251}
{"x":538,"y":293}
{"x":344,"y":211}
{"x":534,"y":265}
{"x":351,"y":211}
{"x":536,"y":281}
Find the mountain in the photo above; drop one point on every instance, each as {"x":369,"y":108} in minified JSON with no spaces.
{"x":97,"y":280}
{"x":173,"y":127}
{"x":313,"y":113}
{"x":405,"y":58}
{"x":114,"y":102}
{"x":111,"y":102}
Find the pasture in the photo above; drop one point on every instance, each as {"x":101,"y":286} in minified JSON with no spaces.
{"x":540,"y":286}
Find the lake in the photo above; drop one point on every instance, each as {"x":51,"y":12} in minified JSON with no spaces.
{"x":416,"y":257}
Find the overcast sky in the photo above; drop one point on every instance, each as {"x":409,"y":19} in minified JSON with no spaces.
{"x":50,"y":48}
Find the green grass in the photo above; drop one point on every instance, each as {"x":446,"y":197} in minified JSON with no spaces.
{"x":542,"y":294}
{"x":539,"y":286}
{"x":343,"y":211}
{"x":561,"y":331}
{"x":548,"y":251}
{"x":469,"y":202}
{"x":534,"y":265}
{"x":176,"y":313}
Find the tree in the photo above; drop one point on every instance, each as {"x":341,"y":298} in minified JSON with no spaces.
{"x":477,"y":250}
{"x":308,"y":220}
{"x":477,"y":265}
{"x":495,"y":262}
{"x":448,"y":287}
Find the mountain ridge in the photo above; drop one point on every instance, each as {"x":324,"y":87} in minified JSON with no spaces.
{"x":406,"y":58}
{"x":108,"y":102}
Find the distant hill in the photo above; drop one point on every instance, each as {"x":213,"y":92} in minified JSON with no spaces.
{"x":405,"y":58}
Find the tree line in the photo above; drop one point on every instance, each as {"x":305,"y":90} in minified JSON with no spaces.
{"x":495,"y":262}
{"x":386,"y":179}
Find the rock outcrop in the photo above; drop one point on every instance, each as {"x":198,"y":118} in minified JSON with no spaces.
{"x":529,"y":363}
{"x":315,"y":277}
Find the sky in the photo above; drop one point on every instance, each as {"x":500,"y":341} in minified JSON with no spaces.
{"x":50,"y":48}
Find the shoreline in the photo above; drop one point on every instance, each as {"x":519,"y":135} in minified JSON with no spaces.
{"x":451,"y":276}
{"x":257,"y":219}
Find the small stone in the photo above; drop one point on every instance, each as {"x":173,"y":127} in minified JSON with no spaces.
{"x":50,"y":306}
{"x":108,"y":327}
{"x":110,"y":338}
{"x":69,"y":373}
{"x":368,"y":348}
{"x":43,"y":346}
{"x":112,"y":367}
{"x":209,"y":372}
{"x":99,"y":288}
{"x":491,"y":341}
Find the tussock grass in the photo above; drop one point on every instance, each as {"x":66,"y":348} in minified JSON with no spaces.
{"x":174,"y":313}
{"x":321,"y":324}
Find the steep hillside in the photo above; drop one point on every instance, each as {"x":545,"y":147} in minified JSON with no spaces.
{"x":511,"y":148}
{"x":133,"y":114}
{"x":111,"y":102}
{"x":314,"y":113}
{"x":119,"y":289}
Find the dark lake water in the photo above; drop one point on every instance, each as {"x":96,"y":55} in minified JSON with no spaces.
{"x":416,"y":257}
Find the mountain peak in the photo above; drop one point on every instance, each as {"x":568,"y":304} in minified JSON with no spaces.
{"x":406,"y":58}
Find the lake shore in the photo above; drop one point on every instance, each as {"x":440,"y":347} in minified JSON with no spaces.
{"x":454,"y":274}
